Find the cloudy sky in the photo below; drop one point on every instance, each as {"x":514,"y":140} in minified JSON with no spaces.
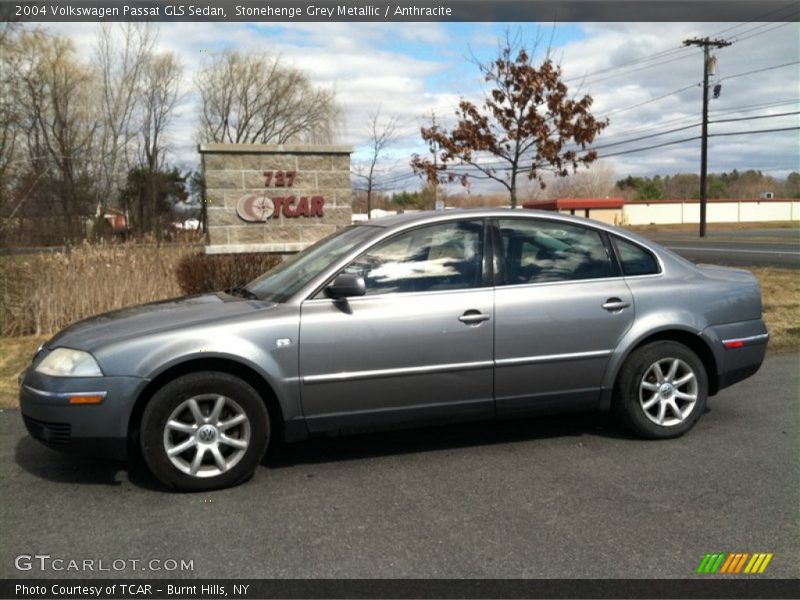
{"x":639,"y":74}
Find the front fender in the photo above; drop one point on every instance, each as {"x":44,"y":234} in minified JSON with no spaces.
{"x":267,"y":347}
{"x":272,"y":370}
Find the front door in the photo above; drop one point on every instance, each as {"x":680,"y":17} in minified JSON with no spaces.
{"x":560,"y":312}
{"x":417,"y":346}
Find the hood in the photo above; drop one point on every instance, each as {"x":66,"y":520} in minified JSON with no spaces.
{"x":154,"y":317}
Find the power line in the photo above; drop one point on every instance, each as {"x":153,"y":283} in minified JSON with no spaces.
{"x":747,"y":37}
{"x":762,"y":70}
{"x":691,"y":139}
{"x":496,"y":165}
{"x":524,"y":168}
{"x":646,"y":137}
{"x":635,"y":61}
{"x":643,"y":149}
{"x":649,"y":58}
{"x":650,"y":66}
{"x":656,"y":99}
{"x":792,"y":5}
{"x":751,"y":107}
{"x":745,"y":108}
{"x":772,"y":116}
{"x":731,"y":110}
{"x":754,"y":131}
{"x":657,"y":126}
{"x":748,"y":33}
{"x":652,"y":57}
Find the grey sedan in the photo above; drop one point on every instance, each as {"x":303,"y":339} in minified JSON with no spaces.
{"x":409,"y":320}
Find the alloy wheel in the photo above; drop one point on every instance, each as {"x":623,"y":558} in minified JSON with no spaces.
{"x":206,"y":435}
{"x":668,"y":392}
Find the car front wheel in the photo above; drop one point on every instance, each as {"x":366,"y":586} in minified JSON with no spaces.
{"x":661,"y":390}
{"x":204,"y":431}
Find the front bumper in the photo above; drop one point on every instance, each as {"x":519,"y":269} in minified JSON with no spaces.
{"x":99,"y":430}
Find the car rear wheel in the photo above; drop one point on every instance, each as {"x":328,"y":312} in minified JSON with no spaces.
{"x":661,"y":390}
{"x":204,"y":431}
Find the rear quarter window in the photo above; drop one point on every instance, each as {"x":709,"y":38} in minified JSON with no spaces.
{"x":634,"y":259}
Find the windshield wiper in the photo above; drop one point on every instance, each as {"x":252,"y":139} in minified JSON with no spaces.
{"x":242,"y":291}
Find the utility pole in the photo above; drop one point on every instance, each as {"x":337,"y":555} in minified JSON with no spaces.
{"x":706,"y":43}
{"x":435,"y":152}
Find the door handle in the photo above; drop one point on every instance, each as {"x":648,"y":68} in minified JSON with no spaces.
{"x":473,"y":317}
{"x":615,"y":305}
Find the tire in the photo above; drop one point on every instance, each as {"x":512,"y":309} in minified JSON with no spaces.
{"x":213,"y":414}
{"x":665,"y":405}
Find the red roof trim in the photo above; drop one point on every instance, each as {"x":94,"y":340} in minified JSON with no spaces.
{"x":577,"y":204}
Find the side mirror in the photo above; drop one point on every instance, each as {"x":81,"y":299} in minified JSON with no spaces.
{"x":346,"y":285}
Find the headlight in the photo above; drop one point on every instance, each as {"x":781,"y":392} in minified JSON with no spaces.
{"x":65,"y":362}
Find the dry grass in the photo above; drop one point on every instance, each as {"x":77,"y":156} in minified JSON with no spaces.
{"x":15,"y":354}
{"x":43,"y":293}
{"x":780,"y":289}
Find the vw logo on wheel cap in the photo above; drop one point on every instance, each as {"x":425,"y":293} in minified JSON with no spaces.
{"x":207,"y":433}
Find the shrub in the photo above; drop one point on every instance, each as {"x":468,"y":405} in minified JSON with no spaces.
{"x":199,"y":273}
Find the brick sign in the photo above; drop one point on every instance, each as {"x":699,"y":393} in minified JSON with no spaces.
{"x":265,"y":198}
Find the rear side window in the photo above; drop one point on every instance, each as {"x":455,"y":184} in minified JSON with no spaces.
{"x":635,"y":260}
{"x":540,"y":251}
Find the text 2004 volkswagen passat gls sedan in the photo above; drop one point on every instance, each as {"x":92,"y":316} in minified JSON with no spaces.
{"x":412,"y":319}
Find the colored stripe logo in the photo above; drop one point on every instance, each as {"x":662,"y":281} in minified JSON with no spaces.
{"x":734,"y":563}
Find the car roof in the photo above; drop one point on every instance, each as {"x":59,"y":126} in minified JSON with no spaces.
{"x":409,"y":219}
{"x":400,"y":220}
{"x":419,"y":216}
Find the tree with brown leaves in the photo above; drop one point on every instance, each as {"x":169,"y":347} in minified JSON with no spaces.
{"x":528,"y":124}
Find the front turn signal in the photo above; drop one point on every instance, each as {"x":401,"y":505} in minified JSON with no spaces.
{"x":88,"y":399}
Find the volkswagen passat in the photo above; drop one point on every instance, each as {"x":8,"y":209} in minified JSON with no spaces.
{"x":425,"y":318}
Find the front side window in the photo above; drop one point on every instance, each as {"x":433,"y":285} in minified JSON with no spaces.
{"x":542,"y":251}
{"x":287,"y":278}
{"x":446,"y":256}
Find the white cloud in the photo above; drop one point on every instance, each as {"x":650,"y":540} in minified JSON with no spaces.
{"x":413,"y":68}
{"x":616,"y":44}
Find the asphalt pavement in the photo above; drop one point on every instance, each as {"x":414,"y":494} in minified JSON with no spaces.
{"x":767,"y":247}
{"x":736,"y":253}
{"x":568,"y":496}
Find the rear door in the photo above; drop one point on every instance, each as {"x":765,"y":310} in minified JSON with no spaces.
{"x":418,"y":346}
{"x":561,"y":308}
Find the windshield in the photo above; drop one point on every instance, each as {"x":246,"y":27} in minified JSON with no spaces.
{"x":282,"y":282}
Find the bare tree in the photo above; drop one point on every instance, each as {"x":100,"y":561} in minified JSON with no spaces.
{"x":595,"y":182}
{"x":255,"y":98}
{"x":56,"y":95}
{"x":121,"y":55}
{"x":382,"y":134}
{"x":527,"y":124}
{"x":9,"y":115}
{"x":159,"y":95}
